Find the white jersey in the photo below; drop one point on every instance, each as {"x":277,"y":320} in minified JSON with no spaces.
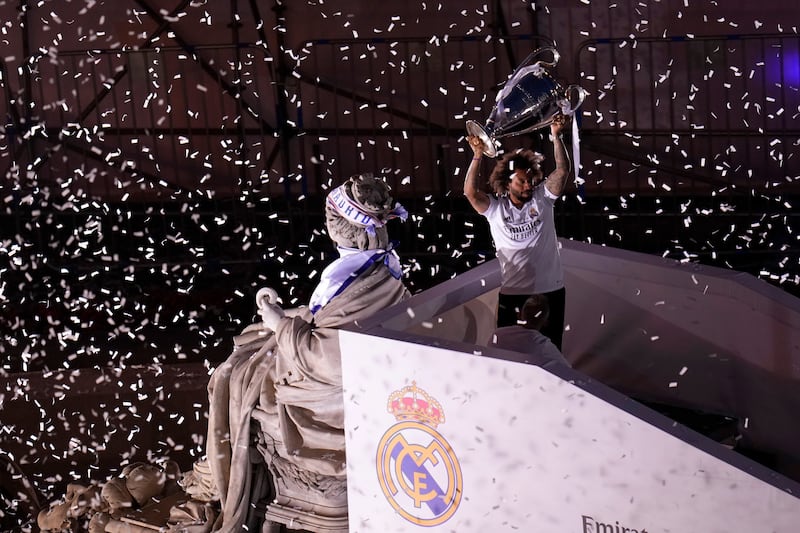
{"x":526,"y":243}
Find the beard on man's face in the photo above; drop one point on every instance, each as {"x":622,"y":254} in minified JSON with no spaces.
{"x":521,"y":195}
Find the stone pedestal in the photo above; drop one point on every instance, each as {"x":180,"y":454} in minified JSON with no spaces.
{"x":306,"y":500}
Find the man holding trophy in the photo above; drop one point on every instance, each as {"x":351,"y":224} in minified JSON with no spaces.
{"x":520,"y":210}
{"x":521,"y":222}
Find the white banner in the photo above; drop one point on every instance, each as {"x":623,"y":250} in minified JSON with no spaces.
{"x":439,"y":440}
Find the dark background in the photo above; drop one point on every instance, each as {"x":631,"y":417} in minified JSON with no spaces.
{"x":162,"y":160}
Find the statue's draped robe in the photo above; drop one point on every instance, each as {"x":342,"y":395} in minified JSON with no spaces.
{"x":293,"y":377}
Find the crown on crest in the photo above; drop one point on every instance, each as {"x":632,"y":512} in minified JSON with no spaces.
{"x":413,"y":403}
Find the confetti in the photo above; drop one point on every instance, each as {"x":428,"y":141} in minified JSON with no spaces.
{"x":154,"y":179}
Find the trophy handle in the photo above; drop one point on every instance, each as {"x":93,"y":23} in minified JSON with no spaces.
{"x":579,"y":94}
{"x":538,"y":52}
{"x":489,"y":146}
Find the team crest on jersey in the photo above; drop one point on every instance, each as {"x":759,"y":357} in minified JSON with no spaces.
{"x":417,"y":469}
{"x":533,"y":212}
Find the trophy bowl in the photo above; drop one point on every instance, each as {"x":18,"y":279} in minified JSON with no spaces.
{"x":528,"y":101}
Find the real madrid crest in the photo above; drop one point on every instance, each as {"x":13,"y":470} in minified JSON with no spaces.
{"x":417,"y":469}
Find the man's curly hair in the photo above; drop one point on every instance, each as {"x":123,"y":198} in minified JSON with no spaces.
{"x":505,"y":167}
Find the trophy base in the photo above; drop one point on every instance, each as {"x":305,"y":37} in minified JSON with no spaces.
{"x":489,"y":145}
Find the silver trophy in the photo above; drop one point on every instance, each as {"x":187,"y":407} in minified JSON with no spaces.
{"x":528,"y":101}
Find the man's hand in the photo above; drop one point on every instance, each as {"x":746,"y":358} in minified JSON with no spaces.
{"x":477,"y":198}
{"x":556,"y":127}
{"x":557,"y":179}
{"x":477,"y":146}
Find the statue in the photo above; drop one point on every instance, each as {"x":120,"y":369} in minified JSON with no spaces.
{"x":276,"y":412}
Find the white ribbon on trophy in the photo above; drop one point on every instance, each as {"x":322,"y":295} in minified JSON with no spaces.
{"x":576,"y":141}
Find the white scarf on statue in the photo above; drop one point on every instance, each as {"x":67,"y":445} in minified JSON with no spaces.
{"x":341,"y":273}
{"x":356,"y":214}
